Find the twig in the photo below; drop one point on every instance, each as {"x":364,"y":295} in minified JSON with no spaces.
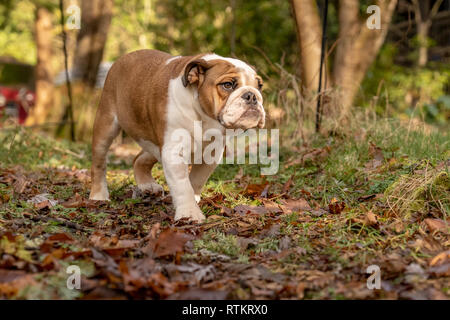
{"x":65,"y":223}
{"x":69,"y":152}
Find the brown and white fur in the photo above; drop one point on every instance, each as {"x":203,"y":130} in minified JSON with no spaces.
{"x":149,"y":94}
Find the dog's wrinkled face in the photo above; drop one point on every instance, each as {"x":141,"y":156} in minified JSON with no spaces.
{"x":228,"y":90}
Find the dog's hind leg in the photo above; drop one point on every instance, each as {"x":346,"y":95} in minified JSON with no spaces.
{"x":199,"y":175}
{"x":143,"y":164}
{"x":106,"y":128}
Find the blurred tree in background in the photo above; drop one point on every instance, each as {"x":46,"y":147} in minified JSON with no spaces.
{"x":95,"y":21}
{"x":43,"y":71}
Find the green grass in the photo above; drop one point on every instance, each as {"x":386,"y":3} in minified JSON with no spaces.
{"x":216,"y":241}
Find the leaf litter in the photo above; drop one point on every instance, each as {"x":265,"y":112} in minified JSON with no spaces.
{"x":272,"y":245}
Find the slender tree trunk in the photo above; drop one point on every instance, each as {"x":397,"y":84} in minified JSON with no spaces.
{"x":357,"y":47}
{"x":423,"y":15}
{"x":423,"y":30}
{"x":95,"y":21}
{"x":44,"y":78}
{"x":309,"y":31}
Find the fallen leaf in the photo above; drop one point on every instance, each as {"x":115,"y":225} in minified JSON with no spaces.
{"x":370,"y":219}
{"x":316,"y":155}
{"x":377,"y":156}
{"x":78,"y":201}
{"x":244,"y":243}
{"x":42,"y":201}
{"x":440,"y":258}
{"x":441,"y":270}
{"x":214,"y":217}
{"x":201,"y":273}
{"x":375,"y":152}
{"x":294,"y":205}
{"x":335,"y":206}
{"x":170,"y":242}
{"x":272,"y":207}
{"x":60,"y":237}
{"x":10,"y":275}
{"x":301,"y":286}
{"x":12,"y":288}
{"x":244,"y":209}
{"x":20,"y":184}
{"x":436,"y":225}
{"x":255,"y":190}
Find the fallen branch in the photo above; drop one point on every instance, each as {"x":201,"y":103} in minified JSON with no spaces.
{"x":65,"y":223}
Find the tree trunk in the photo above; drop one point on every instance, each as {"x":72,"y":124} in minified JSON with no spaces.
{"x":357,"y":47}
{"x":95,"y":21}
{"x":423,"y":29}
{"x":423,"y":15}
{"x":309,"y":32}
{"x":44,"y":78}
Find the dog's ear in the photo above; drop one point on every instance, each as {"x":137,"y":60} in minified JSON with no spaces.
{"x":194,"y":72}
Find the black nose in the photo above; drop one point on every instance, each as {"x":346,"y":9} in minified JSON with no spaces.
{"x":250,"y":98}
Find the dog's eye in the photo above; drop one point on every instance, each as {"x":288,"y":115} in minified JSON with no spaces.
{"x":260,"y":85}
{"x":228,"y":85}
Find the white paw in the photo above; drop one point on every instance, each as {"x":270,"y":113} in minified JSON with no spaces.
{"x":193,"y":213}
{"x":99,"y":196}
{"x":197,"y":198}
{"x":151,"y":187}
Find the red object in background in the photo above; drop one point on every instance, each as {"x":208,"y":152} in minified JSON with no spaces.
{"x":15,"y":103}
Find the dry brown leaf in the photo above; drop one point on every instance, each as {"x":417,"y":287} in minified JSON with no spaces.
{"x":440,"y":258}
{"x":316,"y":154}
{"x":375,"y":152}
{"x":436,"y":225}
{"x":301,"y":290}
{"x":376,"y":155}
{"x":12,"y":288}
{"x":255,"y":190}
{"x":271,"y":206}
{"x":370,"y":219}
{"x":20,"y":184}
{"x":10,"y":275}
{"x":214,"y":217}
{"x":244,"y":209}
{"x":295,"y":205}
{"x":60,"y":237}
{"x":78,"y":201}
{"x":335,"y":206}
{"x":170,"y":242}
{"x":442,"y":270}
{"x":42,"y":201}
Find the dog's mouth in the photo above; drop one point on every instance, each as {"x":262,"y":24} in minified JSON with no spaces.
{"x":250,"y":118}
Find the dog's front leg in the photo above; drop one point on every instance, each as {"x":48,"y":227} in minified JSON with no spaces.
{"x":177,"y":177}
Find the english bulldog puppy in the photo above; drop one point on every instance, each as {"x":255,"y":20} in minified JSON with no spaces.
{"x":149,"y":94}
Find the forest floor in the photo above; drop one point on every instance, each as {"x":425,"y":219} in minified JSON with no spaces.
{"x":378,"y":195}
